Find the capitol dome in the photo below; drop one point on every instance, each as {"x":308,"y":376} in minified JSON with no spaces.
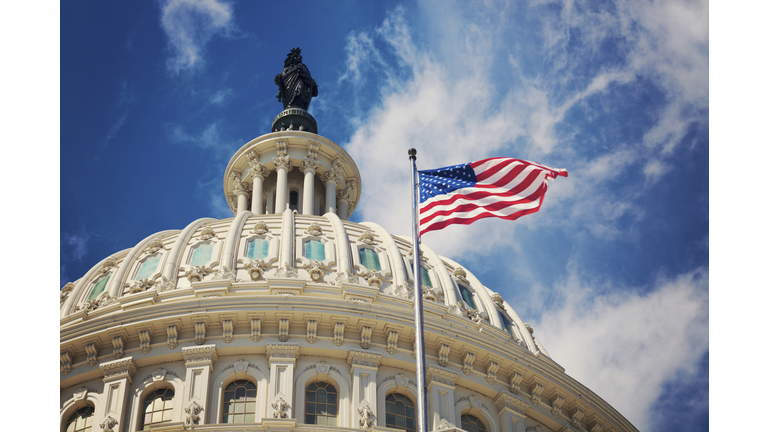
{"x":289,"y":317}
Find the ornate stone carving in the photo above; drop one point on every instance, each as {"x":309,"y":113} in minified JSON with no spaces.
{"x":566,"y":429}
{"x":504,"y":400}
{"x":308,"y":163}
{"x":536,"y":428}
{"x":315,"y":270}
{"x":576,"y":415}
{"x":365,"y":337}
{"x":241,"y":187}
{"x":338,"y":164}
{"x":228,"y":328}
{"x":281,"y":408}
{"x":196,"y":273}
{"x":345,"y":277}
{"x":469,"y":358}
{"x":255,"y":329}
{"x":342,"y":195}
{"x":363,"y":358}
{"x":514,"y":382}
{"x":172,"y":335}
{"x":109,"y":424}
{"x":461,"y":275}
{"x":282,"y":351}
{"x":260,"y":227}
{"x":283,"y":159}
{"x":392,"y":342}
{"x":428,"y":293}
{"x":140,"y":286}
{"x":498,"y":300}
{"x":476,"y":316}
{"x":64,"y":293}
{"x":403,"y":291}
{"x":373,"y":278}
{"x":256,"y":269}
{"x":445,"y":424}
{"x":312,"y":331}
{"x":117,"y":369}
{"x":223,"y":273}
{"x":144,"y":341}
{"x":163,"y":284}
{"x":91,"y":354}
{"x":367,"y":238}
{"x":282,"y":329}
{"x":442,"y":354}
{"x":493,"y":367}
{"x":207,"y":353}
{"x":65,"y":359}
{"x":199,"y":333}
{"x":595,"y":427}
{"x":536,"y":390}
{"x":330,"y":176}
{"x":441,"y":376}
{"x":155,"y":245}
{"x":314,"y":229}
{"x":366,"y":416}
{"x":557,"y":405}
{"x":338,"y":334}
{"x":207,"y":233}
{"x":117,"y":347}
{"x":257,"y":170}
{"x":193,"y":414}
{"x":102,"y":300}
{"x":286,"y":271}
{"x":109,"y":265}
{"x":312,"y":149}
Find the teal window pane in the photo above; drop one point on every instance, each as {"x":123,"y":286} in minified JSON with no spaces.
{"x":314,"y":250}
{"x":506,"y":321}
{"x":370,"y":259}
{"x":467,"y":296}
{"x":201,"y":254}
{"x":425,"y":280}
{"x":258,"y":248}
{"x":148,"y":267}
{"x":99,"y":288}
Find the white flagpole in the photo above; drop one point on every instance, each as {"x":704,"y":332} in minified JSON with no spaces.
{"x":421,"y":376}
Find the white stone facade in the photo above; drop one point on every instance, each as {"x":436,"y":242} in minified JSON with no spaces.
{"x":284,"y":301}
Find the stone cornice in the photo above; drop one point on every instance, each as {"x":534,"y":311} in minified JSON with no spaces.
{"x":505,"y":400}
{"x":200,"y":354}
{"x":362,"y":358}
{"x":117,"y":369}
{"x":441,"y":376}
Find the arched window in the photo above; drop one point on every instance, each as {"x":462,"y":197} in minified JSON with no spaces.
{"x":471,"y":423}
{"x":99,"y":287}
{"x":401,"y":412}
{"x":157,"y":408}
{"x":239,"y":402}
{"x":370,"y":259}
{"x":425,"y":280}
{"x":467,"y":296}
{"x":321,"y":404}
{"x":81,"y":420}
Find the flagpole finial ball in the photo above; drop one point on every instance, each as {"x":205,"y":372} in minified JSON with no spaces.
{"x":412,"y":153}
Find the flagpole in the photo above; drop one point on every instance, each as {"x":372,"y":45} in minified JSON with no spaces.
{"x":421,"y":376}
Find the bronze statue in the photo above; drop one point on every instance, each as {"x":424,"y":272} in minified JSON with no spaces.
{"x":296,"y":88}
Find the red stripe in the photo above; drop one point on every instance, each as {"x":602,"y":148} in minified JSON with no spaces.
{"x":460,"y":221}
{"x":499,"y":205}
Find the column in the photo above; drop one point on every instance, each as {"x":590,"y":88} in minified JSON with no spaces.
{"x":343,"y":201}
{"x":308,"y":167}
{"x":364,"y":367}
{"x":511,"y":409}
{"x":117,"y":379}
{"x":258,"y":173}
{"x":199,"y":362}
{"x":283,"y":166}
{"x":241,"y":192}
{"x":440,"y":385}
{"x":282,"y":362}
{"x":330,"y":179}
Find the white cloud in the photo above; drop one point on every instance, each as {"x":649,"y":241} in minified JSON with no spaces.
{"x":221,"y":96}
{"x":189,"y":25}
{"x":625,"y":346}
{"x":77,"y":245}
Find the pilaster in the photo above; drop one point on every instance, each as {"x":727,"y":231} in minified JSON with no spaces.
{"x":440,"y":386}
{"x":117,"y":379}
{"x":511,"y":412}
{"x":363,"y":367}
{"x":282,"y":363}
{"x":199,"y":362}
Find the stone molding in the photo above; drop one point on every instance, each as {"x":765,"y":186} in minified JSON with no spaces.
{"x":200,"y":354}
{"x":363,"y":358}
{"x":506,"y":400}
{"x":441,"y":376}
{"x":117,"y":369}
{"x":280,"y":351}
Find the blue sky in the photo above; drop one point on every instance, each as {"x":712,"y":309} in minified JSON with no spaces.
{"x":612,"y":273}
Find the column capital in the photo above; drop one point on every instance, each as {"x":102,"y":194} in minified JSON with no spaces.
{"x":308,"y":163}
{"x":241,"y":187}
{"x":441,"y":376}
{"x":282,"y":352}
{"x":117,"y":369}
{"x":506,"y":401}
{"x":330,"y":176}
{"x":257,"y":170}
{"x":342,"y":195}
{"x":283,"y":161}
{"x":363,"y":359}
{"x":200,"y":354}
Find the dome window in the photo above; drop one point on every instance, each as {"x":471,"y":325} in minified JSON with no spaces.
{"x":321,"y":404}
{"x":294,"y":200}
{"x":467,"y":296}
{"x":99,"y":287}
{"x":257,"y":248}
{"x":471,"y":423}
{"x":239,"y":402}
{"x":158,"y":408}
{"x":81,"y":420}
{"x":370,"y":259}
{"x":201,"y":254}
{"x":148,"y":267}
{"x":401,"y":412}
{"x":425,"y":280}
{"x":314,"y":250}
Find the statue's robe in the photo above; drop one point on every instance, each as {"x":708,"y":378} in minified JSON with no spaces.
{"x":299,"y":87}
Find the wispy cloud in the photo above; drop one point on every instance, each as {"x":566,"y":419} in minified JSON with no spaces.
{"x":221,"y":96}
{"x":599,"y":331}
{"x":189,"y":25}
{"x":125,"y":98}
{"x":75,"y":245}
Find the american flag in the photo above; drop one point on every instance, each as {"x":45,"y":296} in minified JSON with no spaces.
{"x":497,"y":187}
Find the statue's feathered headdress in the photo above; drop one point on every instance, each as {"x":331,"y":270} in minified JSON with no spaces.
{"x":293,"y":55}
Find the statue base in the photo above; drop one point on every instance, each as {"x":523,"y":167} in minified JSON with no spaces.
{"x":294,"y":119}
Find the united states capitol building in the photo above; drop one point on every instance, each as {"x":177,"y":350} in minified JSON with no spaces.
{"x":289,"y":317}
